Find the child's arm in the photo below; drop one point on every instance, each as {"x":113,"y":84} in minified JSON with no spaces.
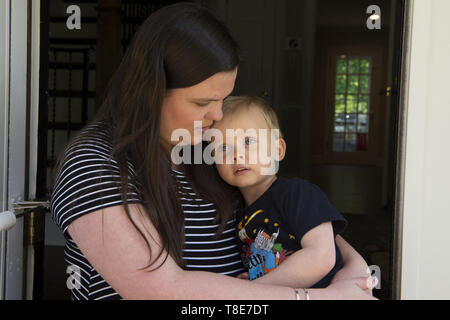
{"x":308,"y":265}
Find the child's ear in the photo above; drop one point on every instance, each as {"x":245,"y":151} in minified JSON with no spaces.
{"x":281,"y":150}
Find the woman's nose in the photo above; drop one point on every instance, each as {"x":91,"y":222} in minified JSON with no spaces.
{"x":215,"y":113}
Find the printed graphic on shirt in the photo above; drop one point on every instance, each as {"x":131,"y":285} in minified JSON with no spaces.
{"x":261,"y":252}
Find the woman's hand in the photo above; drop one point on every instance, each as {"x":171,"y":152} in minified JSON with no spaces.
{"x":243,"y":276}
{"x":348,"y":289}
{"x":354,"y":264}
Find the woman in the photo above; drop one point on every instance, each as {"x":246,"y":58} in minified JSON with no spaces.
{"x":138,"y":227}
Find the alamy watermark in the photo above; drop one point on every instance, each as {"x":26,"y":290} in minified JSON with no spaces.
{"x":375,"y":271}
{"x":374,"y":20}
{"x":74,"y":279}
{"x":74,"y":20}
{"x":259,"y":146}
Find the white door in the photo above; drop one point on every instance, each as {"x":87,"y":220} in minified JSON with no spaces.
{"x":13,"y":116}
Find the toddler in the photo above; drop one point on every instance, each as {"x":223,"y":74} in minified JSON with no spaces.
{"x":287,"y":227}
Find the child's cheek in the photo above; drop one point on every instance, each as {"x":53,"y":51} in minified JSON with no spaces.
{"x":252,"y":154}
{"x":223,"y":171}
{"x":264,"y":154}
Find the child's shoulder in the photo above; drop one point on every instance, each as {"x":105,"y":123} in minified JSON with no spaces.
{"x":296,"y":184}
{"x":299,"y":190}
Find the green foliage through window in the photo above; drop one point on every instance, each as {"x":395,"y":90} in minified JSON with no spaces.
{"x":351,"y":103}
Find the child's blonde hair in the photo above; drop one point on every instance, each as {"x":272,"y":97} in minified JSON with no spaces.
{"x":234,"y":103}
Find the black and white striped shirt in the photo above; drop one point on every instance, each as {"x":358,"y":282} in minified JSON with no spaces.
{"x":88,"y":180}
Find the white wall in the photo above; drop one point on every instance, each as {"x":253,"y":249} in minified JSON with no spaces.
{"x":426,"y":228}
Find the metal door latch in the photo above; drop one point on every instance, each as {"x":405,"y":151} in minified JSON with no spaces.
{"x":22,"y":208}
{"x":19,"y":209}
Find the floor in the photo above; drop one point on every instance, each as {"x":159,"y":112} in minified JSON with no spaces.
{"x":356,"y":191}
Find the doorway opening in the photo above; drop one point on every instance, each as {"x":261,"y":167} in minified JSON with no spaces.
{"x":333,"y":82}
{"x":355,"y":119}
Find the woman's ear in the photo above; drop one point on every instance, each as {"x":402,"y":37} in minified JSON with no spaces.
{"x":281,"y":150}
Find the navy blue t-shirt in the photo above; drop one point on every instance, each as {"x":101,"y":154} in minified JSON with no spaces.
{"x":272,"y":227}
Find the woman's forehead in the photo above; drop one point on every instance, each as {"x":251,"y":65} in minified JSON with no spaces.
{"x":243,"y":117}
{"x":215,"y":88}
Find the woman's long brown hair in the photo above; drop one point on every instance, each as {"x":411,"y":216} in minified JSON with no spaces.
{"x":177,"y":46}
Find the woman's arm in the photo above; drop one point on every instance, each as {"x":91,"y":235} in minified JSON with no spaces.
{"x":354,"y":264}
{"x":118,"y":253}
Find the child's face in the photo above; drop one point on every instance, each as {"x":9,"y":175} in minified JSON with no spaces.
{"x":249,"y":155}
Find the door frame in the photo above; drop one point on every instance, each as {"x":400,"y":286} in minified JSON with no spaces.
{"x":418,"y":214}
{"x":400,"y":156}
{"x":4,"y":119}
{"x":15,"y":133}
{"x":16,"y":69}
{"x":21,"y":24}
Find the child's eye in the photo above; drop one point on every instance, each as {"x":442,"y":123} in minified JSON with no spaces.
{"x":249,"y":140}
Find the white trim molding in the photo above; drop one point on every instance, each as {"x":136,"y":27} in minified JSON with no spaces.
{"x":426,"y":207}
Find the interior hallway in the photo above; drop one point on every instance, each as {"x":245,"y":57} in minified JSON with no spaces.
{"x":356,"y":192}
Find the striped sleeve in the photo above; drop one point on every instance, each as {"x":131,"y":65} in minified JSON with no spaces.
{"x":88,"y":180}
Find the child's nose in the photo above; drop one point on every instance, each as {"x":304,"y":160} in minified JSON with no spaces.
{"x":238,"y":155}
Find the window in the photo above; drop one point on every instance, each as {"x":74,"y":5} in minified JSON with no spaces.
{"x":351,"y":103}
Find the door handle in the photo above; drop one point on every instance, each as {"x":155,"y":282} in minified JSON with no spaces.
{"x":7,"y":220}
{"x":388,"y":91}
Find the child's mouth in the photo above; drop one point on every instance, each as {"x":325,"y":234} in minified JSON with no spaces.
{"x":241,"y":171}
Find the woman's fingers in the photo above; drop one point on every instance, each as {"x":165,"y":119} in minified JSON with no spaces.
{"x":352,"y":289}
{"x":243,"y":275}
{"x":372,"y":282}
{"x":365,"y":283}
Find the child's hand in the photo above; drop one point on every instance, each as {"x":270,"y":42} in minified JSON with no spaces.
{"x":243,"y":276}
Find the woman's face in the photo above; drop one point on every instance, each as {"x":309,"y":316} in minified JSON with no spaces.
{"x":201,"y":102}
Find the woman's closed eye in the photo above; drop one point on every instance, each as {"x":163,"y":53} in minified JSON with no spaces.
{"x":202,"y":104}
